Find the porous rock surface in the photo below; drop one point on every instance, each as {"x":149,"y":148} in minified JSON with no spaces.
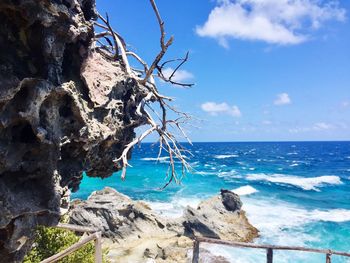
{"x":139,"y":234}
{"x":219,"y":217}
{"x":116,"y":215}
{"x":64,"y":109}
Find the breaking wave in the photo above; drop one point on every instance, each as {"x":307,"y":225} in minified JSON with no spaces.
{"x":155,"y":158}
{"x":245,"y":190}
{"x":225,"y":156}
{"x":305,"y":183}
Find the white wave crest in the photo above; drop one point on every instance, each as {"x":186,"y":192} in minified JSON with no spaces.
{"x":271,"y":216}
{"x":229,"y":174}
{"x":225,"y":156}
{"x":205,"y":173}
{"x":281,"y":222}
{"x":245,"y":190}
{"x":175,"y":207}
{"x":305,"y":183}
{"x":155,"y":158}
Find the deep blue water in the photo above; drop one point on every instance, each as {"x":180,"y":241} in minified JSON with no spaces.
{"x":295,"y":193}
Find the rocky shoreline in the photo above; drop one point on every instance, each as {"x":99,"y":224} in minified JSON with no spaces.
{"x":135,"y":233}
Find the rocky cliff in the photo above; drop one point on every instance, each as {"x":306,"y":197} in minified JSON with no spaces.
{"x":64,"y":109}
{"x":135,"y":233}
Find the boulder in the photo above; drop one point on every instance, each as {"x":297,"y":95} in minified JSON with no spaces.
{"x":230,"y":200}
{"x":116,"y":215}
{"x":219,"y":217}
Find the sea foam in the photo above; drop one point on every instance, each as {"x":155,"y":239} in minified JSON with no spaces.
{"x":225,"y":156}
{"x":155,"y":158}
{"x":306,"y":183}
{"x":270,"y":216}
{"x":175,"y":207}
{"x":284,"y":223}
{"x":245,"y":190}
{"x":177,"y":204}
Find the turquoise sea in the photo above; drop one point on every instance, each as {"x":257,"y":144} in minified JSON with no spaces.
{"x":295,"y":193}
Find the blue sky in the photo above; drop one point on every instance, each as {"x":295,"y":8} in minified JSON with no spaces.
{"x":265,"y":70}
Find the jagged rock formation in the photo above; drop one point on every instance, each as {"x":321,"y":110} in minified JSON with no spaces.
{"x":219,"y":217}
{"x":64,"y":109}
{"x":116,"y":215}
{"x":140,"y":234}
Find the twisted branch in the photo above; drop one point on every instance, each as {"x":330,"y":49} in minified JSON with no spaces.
{"x":115,"y":50}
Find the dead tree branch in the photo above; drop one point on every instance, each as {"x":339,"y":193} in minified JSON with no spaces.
{"x":170,"y":77}
{"x":163,"y":45}
{"x":116,"y":50}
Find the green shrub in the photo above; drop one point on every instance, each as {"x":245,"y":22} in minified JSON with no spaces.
{"x":49,"y":241}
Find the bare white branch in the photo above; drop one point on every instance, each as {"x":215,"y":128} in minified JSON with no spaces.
{"x":149,"y":94}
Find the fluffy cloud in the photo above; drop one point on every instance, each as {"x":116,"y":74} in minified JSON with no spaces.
{"x":179,"y":76}
{"x":272,"y":21}
{"x":221,"y":108}
{"x":282,"y":99}
{"x":319,"y":126}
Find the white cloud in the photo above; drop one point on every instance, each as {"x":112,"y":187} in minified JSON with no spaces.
{"x":345,"y":104}
{"x":282,"y":99}
{"x":321,"y":126}
{"x":221,"y":108}
{"x":179,"y":76}
{"x":266,"y":122}
{"x":272,"y":21}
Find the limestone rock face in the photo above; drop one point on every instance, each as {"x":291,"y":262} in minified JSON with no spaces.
{"x":219,"y":217}
{"x":140,"y":234}
{"x":63,"y":109}
{"x":116,"y":215}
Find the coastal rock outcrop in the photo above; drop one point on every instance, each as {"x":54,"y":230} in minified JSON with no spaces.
{"x":219,"y":217}
{"x":116,"y":215}
{"x":138,"y":233}
{"x":64,"y":109}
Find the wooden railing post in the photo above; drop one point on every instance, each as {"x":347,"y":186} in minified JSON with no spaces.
{"x":69,"y":250}
{"x":269,"y":255}
{"x":269,"y":248}
{"x":95,"y":236}
{"x":98,"y":248}
{"x":195,"y":257}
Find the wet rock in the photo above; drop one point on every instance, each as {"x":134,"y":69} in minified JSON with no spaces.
{"x":230,"y":200}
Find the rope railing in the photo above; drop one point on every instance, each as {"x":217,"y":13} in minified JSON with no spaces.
{"x":95,"y":235}
{"x":269,"y":249}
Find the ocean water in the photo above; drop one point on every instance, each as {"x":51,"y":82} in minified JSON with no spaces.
{"x":295,"y":193}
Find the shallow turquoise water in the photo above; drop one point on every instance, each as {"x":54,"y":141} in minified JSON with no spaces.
{"x":295,"y":193}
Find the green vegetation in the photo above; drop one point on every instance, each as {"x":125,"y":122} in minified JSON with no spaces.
{"x":50,"y":241}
